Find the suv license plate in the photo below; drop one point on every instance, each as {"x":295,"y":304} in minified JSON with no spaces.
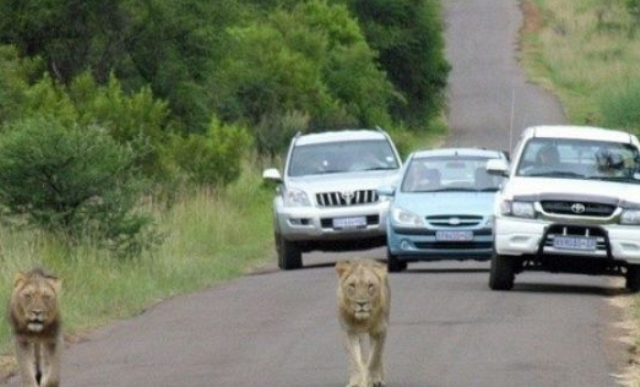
{"x":575,"y":243}
{"x":454,"y":236}
{"x":346,"y":223}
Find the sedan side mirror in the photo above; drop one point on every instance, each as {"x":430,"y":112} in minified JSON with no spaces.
{"x":272,"y":174}
{"x":498,"y":167}
{"x":386,"y":190}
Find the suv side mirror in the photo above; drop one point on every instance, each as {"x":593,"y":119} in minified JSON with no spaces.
{"x":498,"y":167}
{"x":386,"y":190}
{"x":272,"y":174}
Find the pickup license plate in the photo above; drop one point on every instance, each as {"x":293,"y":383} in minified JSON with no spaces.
{"x":347,"y":223}
{"x":576,"y":243}
{"x":454,"y":236}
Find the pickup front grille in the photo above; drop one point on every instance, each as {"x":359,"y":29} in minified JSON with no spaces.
{"x":577,"y":208}
{"x":346,"y":198}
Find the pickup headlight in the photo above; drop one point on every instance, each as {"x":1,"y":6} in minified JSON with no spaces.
{"x":630,"y":217}
{"x":294,"y":197}
{"x":517,"y":209}
{"x":405,"y":218}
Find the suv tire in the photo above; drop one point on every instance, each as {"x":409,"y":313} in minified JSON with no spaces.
{"x":502,"y":274}
{"x":289,"y":254}
{"x":394,"y":265}
{"x":633,"y":278}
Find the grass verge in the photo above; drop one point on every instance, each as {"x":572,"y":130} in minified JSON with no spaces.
{"x":587,"y":52}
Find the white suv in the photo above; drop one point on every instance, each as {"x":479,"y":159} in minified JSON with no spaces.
{"x":327,"y":198}
{"x":571,"y":204}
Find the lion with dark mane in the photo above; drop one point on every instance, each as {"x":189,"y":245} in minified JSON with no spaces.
{"x":35,"y":322}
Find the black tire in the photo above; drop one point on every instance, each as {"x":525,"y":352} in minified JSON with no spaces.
{"x":395,"y":265}
{"x":289,"y":254}
{"x":633,"y":278}
{"x":502,"y":274}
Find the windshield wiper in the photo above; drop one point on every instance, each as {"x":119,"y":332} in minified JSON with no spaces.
{"x":557,"y":174}
{"x":454,"y":189}
{"x":615,"y":178}
{"x":375,"y":169}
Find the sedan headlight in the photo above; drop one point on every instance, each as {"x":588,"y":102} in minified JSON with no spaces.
{"x":517,"y":209}
{"x":630,"y":217}
{"x":405,"y":218}
{"x":295,"y":197}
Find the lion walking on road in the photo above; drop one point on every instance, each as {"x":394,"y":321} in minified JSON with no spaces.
{"x":35,"y":321}
{"x":364,"y":299}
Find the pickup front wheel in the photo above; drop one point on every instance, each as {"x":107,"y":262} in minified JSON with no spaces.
{"x":502,"y":274}
{"x":289,"y":254}
{"x":633,"y":278}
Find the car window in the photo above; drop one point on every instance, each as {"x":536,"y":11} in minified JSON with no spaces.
{"x":579,"y":159}
{"x":454,"y":173}
{"x":344,"y":156}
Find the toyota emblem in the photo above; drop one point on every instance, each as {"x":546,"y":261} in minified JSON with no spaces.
{"x":347,"y":196}
{"x":578,"y":208}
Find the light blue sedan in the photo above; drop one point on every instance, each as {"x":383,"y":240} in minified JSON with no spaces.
{"x":442,"y":208}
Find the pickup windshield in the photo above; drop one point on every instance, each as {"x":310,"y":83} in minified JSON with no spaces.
{"x":343,"y":156}
{"x":580,"y":159}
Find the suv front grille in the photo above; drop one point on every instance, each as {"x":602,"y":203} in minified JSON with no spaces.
{"x":454,"y":220}
{"x":346,"y":198}
{"x":577,"y":208}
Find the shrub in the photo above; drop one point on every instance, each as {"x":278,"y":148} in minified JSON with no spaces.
{"x":619,"y":105}
{"x":77,"y":181}
{"x":213,"y":158}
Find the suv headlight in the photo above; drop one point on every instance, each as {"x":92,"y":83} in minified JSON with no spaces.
{"x":630,"y":217}
{"x":294,"y":197}
{"x":405,"y":218}
{"x":517,"y":209}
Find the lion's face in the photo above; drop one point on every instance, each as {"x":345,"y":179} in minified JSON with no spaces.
{"x":361,"y":287}
{"x":34,"y":301}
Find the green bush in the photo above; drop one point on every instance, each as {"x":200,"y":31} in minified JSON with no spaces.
{"x":213,"y":158}
{"x":76,"y":181}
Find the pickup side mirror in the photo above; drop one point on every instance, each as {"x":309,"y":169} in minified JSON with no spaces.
{"x":272,"y":174}
{"x":498,"y":167}
{"x":386,"y":190}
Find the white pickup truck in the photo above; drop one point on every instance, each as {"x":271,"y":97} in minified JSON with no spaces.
{"x":570,"y":204}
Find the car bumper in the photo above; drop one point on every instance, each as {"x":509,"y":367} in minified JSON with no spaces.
{"x":423,"y":245}
{"x":518,"y":237}
{"x":317,"y":224}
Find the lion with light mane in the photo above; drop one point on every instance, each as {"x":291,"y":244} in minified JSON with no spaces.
{"x":35,"y":322}
{"x":364,"y":299}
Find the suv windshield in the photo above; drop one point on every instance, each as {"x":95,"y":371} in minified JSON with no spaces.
{"x":344,"y":156}
{"x":579,"y":159}
{"x":452,"y":173}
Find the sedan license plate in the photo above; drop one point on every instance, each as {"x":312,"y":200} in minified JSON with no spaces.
{"x":347,"y":223}
{"x":574,"y":243}
{"x":454,"y":236}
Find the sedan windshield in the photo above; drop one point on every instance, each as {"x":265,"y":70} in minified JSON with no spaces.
{"x":449,"y":174}
{"x":344,"y":156}
{"x":579,"y":159}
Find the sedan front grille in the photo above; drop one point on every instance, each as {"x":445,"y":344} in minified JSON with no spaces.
{"x":346,"y":198}
{"x":454,"y":220}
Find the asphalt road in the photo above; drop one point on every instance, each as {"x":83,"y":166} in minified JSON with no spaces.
{"x":278,"y":329}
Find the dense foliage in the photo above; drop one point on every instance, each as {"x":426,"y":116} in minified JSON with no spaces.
{"x":190,"y":86}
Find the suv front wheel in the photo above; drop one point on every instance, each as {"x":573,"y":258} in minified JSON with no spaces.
{"x":289,"y":254}
{"x":502,"y":274}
